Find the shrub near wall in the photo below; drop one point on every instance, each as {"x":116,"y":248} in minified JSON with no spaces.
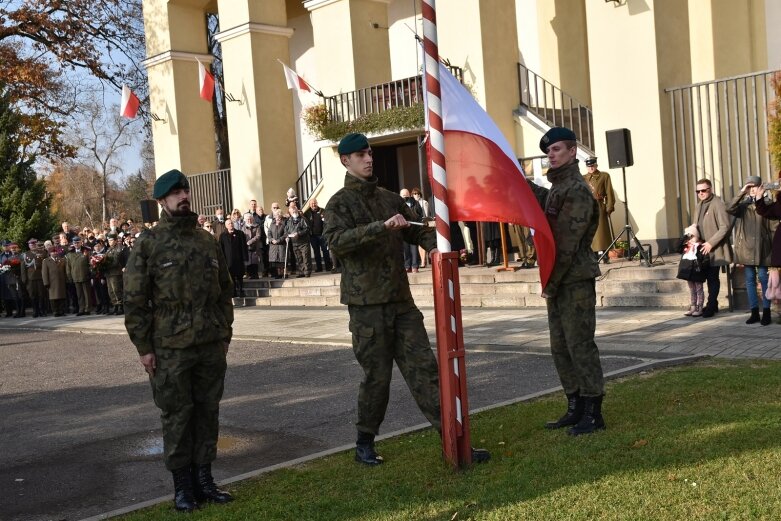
{"x":318,"y":122}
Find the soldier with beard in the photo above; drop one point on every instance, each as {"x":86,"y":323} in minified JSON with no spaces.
{"x":179,"y":315}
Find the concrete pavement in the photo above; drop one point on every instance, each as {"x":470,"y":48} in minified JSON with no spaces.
{"x":635,"y":330}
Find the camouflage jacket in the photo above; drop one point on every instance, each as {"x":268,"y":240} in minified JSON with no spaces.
{"x":573,"y":215}
{"x":177,"y":290}
{"x":117,"y":256}
{"x":371,"y":256}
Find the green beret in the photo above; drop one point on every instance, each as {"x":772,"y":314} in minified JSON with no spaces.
{"x":169,"y":181}
{"x":555,"y":135}
{"x":352,"y":143}
{"x":111,"y":236}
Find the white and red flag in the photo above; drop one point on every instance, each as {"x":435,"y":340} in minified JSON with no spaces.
{"x":485,"y":182}
{"x":205,"y":82}
{"x":294,"y":81}
{"x":128,"y":108}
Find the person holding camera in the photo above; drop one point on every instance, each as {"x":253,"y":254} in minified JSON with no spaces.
{"x":753,"y":245}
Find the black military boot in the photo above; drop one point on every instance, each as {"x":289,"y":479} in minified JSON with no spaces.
{"x":120,"y":309}
{"x":184,"y":500}
{"x":754,"y":318}
{"x":364,"y":450}
{"x":765,"y":317}
{"x":480,"y":455}
{"x":592,"y":420}
{"x":572,"y":416}
{"x":205,"y":488}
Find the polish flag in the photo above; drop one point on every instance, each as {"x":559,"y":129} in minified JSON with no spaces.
{"x":205,"y":82}
{"x":485,"y":182}
{"x":128,"y":108}
{"x":294,"y":81}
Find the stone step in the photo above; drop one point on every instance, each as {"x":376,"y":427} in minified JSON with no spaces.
{"x":622,"y":284}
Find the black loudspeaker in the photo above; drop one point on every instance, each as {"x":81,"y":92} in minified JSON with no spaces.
{"x":150,"y":212}
{"x":619,"y":148}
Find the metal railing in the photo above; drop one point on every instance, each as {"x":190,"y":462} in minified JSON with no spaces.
{"x":720,"y":133}
{"x":211,"y":190}
{"x":349,"y":106}
{"x":555,"y":107}
{"x":310,"y":178}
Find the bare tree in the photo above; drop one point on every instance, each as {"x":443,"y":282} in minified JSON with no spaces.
{"x":104,"y":135}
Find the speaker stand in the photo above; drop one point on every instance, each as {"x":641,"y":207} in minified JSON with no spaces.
{"x":630,"y":233}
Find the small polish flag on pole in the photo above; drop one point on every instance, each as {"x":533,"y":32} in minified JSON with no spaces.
{"x":294,"y":81}
{"x":205,"y":82}
{"x":129,"y":106}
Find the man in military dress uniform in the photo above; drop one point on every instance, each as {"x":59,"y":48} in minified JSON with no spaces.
{"x":570,"y":294}
{"x":365,"y":228}
{"x":179,"y":315}
{"x":78,"y":273}
{"x":602,"y":188}
{"x":32,"y":277}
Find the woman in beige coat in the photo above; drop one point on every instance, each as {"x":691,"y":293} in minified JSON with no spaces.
{"x":53,"y":272}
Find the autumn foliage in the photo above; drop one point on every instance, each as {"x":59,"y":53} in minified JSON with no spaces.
{"x":47,"y":46}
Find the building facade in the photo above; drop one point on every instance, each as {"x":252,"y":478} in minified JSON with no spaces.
{"x":688,"y":78}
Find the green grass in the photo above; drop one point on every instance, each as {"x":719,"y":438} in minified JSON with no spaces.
{"x":696,"y":442}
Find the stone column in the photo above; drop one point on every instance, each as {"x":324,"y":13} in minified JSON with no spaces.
{"x":175,"y":37}
{"x":261,"y":125}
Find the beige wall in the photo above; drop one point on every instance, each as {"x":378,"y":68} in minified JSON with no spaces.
{"x":350,"y":53}
{"x":630,"y":100}
{"x":727,"y":38}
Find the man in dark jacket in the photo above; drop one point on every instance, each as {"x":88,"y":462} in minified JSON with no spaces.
{"x":570,"y":295}
{"x":753,"y":245}
{"x":297,"y":230}
{"x":714,"y":224}
{"x":316,"y":218}
{"x":179,"y":315}
{"x":366,"y":226}
{"x":233,"y":243}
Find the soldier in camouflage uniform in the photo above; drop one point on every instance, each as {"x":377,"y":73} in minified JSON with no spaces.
{"x":179,"y":315}
{"x":570,"y":295}
{"x":117,"y":257}
{"x":366,"y":226}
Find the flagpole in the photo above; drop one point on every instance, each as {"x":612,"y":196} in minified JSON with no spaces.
{"x":456,"y":444}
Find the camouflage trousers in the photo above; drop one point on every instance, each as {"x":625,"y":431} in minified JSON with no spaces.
{"x":572,"y":321}
{"x":187,"y":387}
{"x":114,"y":283}
{"x":385,"y":333}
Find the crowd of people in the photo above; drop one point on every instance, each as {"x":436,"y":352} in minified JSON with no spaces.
{"x":76,"y":271}
{"x":743,"y":232}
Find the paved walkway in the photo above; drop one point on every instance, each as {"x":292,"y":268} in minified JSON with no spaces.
{"x":619,"y":331}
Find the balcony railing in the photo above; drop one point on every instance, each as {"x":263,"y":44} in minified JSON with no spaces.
{"x":310,"y":178}
{"x":349,"y":106}
{"x":556,"y":107}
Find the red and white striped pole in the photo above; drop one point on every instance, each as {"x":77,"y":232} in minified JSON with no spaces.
{"x":447,"y":295}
